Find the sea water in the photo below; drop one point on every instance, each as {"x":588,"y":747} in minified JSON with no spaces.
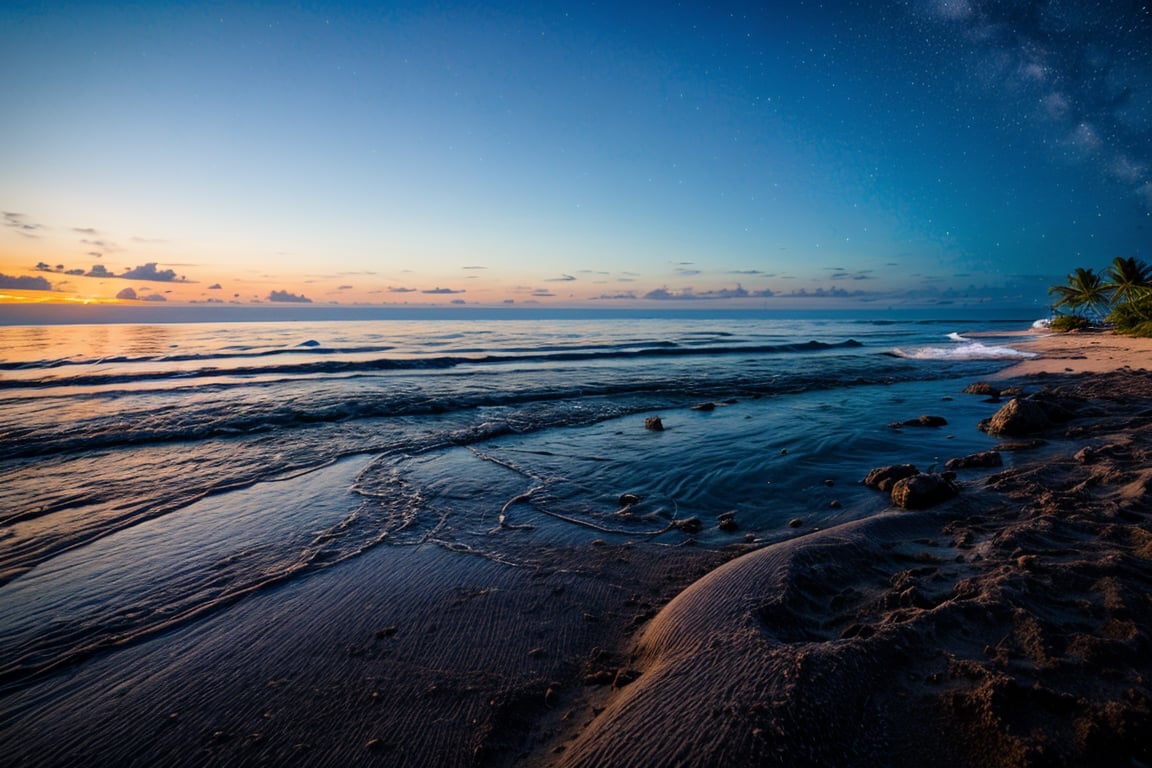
{"x":151,"y":475}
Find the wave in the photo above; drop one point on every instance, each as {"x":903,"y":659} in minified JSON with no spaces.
{"x":964,"y":349}
{"x":348,"y":367}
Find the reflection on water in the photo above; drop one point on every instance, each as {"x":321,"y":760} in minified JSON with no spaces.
{"x":147,"y":339}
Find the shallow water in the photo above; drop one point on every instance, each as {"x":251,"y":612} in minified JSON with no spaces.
{"x":152,"y":475}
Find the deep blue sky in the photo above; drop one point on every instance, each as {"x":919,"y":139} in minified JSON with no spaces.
{"x":888,"y":152}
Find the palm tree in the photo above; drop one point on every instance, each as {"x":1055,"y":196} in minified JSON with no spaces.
{"x":1128,"y":279}
{"x":1085,"y":291}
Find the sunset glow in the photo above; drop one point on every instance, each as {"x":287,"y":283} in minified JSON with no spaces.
{"x":907,"y":154}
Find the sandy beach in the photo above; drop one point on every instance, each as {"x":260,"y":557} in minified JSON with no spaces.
{"x":1087,"y":352}
{"x":1008,"y":626}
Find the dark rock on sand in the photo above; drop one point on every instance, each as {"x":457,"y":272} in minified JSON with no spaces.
{"x":883,"y":478}
{"x":654,"y":423}
{"x":976,"y":461}
{"x":1018,"y":416}
{"x":923,"y":491}
{"x":982,"y":388}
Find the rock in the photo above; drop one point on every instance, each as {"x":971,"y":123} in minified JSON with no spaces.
{"x":835,"y":504}
{"x":654,"y":423}
{"x":795,"y":522}
{"x":629,"y":499}
{"x":600,"y":677}
{"x":923,"y":421}
{"x":929,"y":421}
{"x":728,"y":522}
{"x":922,"y":491}
{"x":976,"y":460}
{"x":982,"y":388}
{"x":1022,"y":445}
{"x":688,"y":525}
{"x":704,"y":407}
{"x":1018,"y":417}
{"x":883,"y":478}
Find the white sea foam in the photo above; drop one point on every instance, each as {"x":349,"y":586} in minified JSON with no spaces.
{"x":964,"y":349}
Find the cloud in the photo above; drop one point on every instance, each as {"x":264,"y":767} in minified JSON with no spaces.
{"x":401,"y":290}
{"x":344,"y":288}
{"x":289,"y":298}
{"x":99,"y":270}
{"x":822,"y":293}
{"x":215,"y":287}
{"x":542,"y":293}
{"x":443,"y":291}
{"x":561,"y":279}
{"x":103,"y":245}
{"x":25,"y":283}
{"x":626,"y":296}
{"x":79,"y":272}
{"x":687,"y":272}
{"x":85,"y":230}
{"x":457,"y":301}
{"x":149,"y":272}
{"x":721,"y":294}
{"x":127,"y":293}
{"x":153,"y":297}
{"x":474,"y":266}
{"x":20,"y":223}
{"x":844,"y":274}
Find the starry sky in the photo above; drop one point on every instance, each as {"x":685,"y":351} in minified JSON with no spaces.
{"x":895,"y":152}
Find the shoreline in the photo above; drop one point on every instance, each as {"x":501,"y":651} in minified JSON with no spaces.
{"x":1080,"y":352}
{"x":1007,"y":627}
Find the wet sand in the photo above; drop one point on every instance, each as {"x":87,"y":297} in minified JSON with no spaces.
{"x":1007,"y":627}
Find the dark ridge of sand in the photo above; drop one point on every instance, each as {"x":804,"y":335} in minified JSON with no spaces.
{"x":1008,"y":628}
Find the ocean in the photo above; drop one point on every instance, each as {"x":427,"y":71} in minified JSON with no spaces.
{"x":155,"y":475}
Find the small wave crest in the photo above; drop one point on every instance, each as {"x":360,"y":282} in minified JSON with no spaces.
{"x":963,"y":349}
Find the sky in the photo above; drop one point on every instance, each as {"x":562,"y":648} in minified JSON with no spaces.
{"x":883,"y":152}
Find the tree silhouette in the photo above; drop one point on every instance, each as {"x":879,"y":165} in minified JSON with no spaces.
{"x":1128,"y":279}
{"x":1085,"y":291}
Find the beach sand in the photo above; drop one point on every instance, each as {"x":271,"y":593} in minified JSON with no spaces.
{"x":1007,"y":627}
{"x":1081,"y":352}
